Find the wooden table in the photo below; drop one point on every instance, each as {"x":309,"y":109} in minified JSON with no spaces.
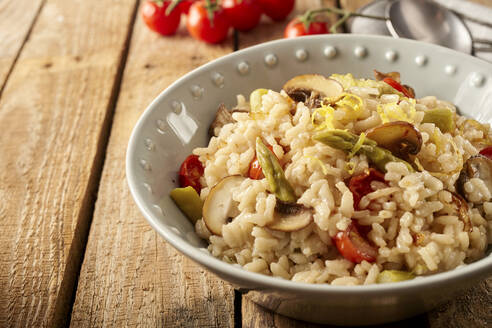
{"x":74,"y":249}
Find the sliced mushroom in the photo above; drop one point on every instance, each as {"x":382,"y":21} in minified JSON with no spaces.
{"x":312,"y":88}
{"x":477,"y":166}
{"x":222,"y":117}
{"x":290,"y":217}
{"x":410,"y":90}
{"x":219,"y":207}
{"x":462,"y":207}
{"x":381,"y":76}
{"x":399,"y":137}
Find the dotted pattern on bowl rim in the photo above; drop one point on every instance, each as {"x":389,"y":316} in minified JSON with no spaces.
{"x":271,"y":60}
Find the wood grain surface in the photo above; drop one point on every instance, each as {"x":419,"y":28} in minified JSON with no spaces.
{"x":53,"y":114}
{"x":16,"y":19}
{"x":130,"y":275}
{"x":64,"y":71}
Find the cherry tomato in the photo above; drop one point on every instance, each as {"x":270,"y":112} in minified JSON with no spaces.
{"x":277,"y":9}
{"x":398,"y":87}
{"x":190,"y":172}
{"x":297,"y":28}
{"x":255,"y":172}
{"x":200,"y":27}
{"x":242,"y":14}
{"x":184,"y":6}
{"x":154,"y":15}
{"x":360,"y":185}
{"x":353,"y":247}
{"x":487,"y":152}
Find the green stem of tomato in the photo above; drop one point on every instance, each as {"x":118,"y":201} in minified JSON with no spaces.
{"x":310,"y":15}
{"x":342,"y":12}
{"x":338,"y":23}
{"x":210,"y":7}
{"x":173,"y":5}
{"x":306,"y":19}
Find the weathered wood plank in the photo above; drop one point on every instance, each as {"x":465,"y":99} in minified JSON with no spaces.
{"x":130,"y":275}
{"x":472,"y":309}
{"x":353,"y":5}
{"x":16,"y":19}
{"x":54,"y":111}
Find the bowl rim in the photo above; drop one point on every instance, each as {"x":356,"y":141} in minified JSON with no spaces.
{"x":478,"y":268}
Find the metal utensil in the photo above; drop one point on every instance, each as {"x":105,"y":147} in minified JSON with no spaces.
{"x":362,"y":25}
{"x":425,"y":20}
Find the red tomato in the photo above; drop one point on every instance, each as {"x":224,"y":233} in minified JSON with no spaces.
{"x":360,"y":185}
{"x":154,"y":15}
{"x":487,"y":152}
{"x":255,"y":172}
{"x":190,"y":172}
{"x":242,"y":14}
{"x":398,"y":87}
{"x":184,"y":6}
{"x":297,"y":28}
{"x":353,"y":247}
{"x":202,"y":29}
{"x":277,"y":9}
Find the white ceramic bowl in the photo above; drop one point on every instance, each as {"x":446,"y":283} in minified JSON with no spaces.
{"x":178,"y":119}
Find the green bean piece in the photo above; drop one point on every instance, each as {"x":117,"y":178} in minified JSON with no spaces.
{"x":274,"y":173}
{"x":443,"y":118}
{"x":386,"y":276}
{"x":189,"y":202}
{"x":345,"y":140}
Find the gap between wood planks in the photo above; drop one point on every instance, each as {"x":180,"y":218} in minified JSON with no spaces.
{"x":17,"y":55}
{"x":95,"y":178}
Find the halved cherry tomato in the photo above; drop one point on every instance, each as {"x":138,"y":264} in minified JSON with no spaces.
{"x":200,"y":26}
{"x":398,"y":87}
{"x":255,"y":172}
{"x":154,"y":15}
{"x":353,"y":247}
{"x":277,"y":9}
{"x":242,"y":14}
{"x":190,"y":172}
{"x":487,"y":152}
{"x":297,"y":28}
{"x":360,"y":185}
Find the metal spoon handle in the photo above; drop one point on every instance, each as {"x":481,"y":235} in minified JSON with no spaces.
{"x":486,"y":45}
{"x":483,"y":41}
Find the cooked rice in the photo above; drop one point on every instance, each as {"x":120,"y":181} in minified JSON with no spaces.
{"x":412,"y":220}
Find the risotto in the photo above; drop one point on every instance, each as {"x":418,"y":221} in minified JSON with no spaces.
{"x":342,"y":181}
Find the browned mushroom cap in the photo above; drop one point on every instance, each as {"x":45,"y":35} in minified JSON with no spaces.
{"x":399,"y":137}
{"x":462,"y":208}
{"x":410,"y":90}
{"x":222,"y":117}
{"x":477,"y":166}
{"x":312,"y":88}
{"x":219,"y":206}
{"x":290,"y":217}
{"x":381,"y":76}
